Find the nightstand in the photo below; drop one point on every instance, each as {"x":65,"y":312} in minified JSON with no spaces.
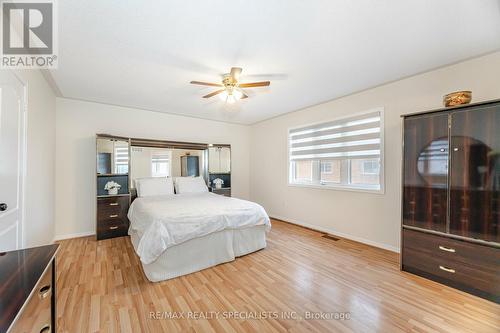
{"x":225,"y":191}
{"x":112,"y":218}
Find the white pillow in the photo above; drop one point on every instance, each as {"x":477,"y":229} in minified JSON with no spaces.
{"x":190,"y":185}
{"x":153,"y":186}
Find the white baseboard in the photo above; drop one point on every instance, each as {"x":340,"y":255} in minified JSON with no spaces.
{"x":75,"y":235}
{"x":336,"y":233}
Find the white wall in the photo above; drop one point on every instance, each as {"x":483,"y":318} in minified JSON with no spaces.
{"x":39,"y":222}
{"x":367,"y":217}
{"x":77,"y":122}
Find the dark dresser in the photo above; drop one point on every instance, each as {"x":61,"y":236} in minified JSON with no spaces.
{"x":451,"y":197}
{"x":112,"y":218}
{"x":28,"y":290}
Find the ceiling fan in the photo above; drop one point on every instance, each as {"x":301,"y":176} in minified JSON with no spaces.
{"x":231,"y":87}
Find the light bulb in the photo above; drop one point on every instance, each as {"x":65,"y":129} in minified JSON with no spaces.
{"x":223,"y":95}
{"x":237,"y":93}
{"x":230,"y":99}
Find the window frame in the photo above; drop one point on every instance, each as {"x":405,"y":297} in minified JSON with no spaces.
{"x":169,"y":162}
{"x":343,"y":186}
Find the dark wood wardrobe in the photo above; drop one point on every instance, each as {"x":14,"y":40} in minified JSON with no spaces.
{"x":451,"y":197}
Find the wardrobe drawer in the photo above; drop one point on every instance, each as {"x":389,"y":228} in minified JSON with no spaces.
{"x":37,"y":314}
{"x":451,"y":249}
{"x":467,"y":266}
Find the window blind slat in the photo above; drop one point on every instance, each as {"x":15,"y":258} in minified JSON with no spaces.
{"x":339,"y":156}
{"x":355,"y":137}
{"x":340,"y":122}
{"x":340,"y":139}
{"x":336,"y":150}
{"x":337,"y":132}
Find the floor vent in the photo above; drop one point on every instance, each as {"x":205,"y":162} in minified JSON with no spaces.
{"x":330,"y":237}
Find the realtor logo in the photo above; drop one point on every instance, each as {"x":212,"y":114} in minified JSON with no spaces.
{"x":28,"y":34}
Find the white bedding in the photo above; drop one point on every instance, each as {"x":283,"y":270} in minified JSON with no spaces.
{"x":203,"y":252}
{"x":164,"y":221}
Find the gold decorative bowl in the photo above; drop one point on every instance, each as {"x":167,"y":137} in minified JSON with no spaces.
{"x":457,"y":98}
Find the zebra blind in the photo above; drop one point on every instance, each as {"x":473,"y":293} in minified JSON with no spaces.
{"x":356,"y":137}
{"x":160,"y":164}
{"x":160,"y":158}
{"x":121,"y":159}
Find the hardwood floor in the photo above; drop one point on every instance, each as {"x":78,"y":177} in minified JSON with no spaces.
{"x":101,"y":287}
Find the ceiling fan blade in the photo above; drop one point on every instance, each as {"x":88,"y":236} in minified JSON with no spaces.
{"x":214,"y":93}
{"x":244,"y":96}
{"x":235,"y":72}
{"x":206,"y":84}
{"x":255,"y":84}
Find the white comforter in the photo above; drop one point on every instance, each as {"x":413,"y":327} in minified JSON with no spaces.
{"x":164,"y":221}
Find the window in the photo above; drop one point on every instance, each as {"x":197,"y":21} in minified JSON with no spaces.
{"x":302,"y":171}
{"x":326,"y":168}
{"x":370,"y":167}
{"x":330,"y":171}
{"x":160,"y":164}
{"x":344,"y":153}
{"x":121,"y":157}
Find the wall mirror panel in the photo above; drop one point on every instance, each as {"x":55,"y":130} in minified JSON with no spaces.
{"x":219,"y":159}
{"x":112,"y":156}
{"x":166,"y":162}
{"x":112,"y":165}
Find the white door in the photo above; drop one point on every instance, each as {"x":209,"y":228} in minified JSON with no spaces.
{"x":12,"y":153}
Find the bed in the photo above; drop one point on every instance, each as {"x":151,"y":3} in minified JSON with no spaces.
{"x":178,"y":234}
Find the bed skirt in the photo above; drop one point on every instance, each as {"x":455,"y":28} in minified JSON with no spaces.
{"x":203,"y":252}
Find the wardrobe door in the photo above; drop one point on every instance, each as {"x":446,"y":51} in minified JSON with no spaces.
{"x":475,"y":173}
{"x":425,"y":175}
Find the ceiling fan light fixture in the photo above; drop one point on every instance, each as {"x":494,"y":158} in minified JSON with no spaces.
{"x":231,"y":95}
{"x":230,"y":99}
{"x":231,"y":88}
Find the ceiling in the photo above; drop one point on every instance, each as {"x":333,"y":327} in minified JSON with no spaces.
{"x":143,"y":54}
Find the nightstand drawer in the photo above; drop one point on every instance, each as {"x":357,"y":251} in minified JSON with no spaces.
{"x":222,"y":191}
{"x":112,"y":206}
{"x":110,"y":230}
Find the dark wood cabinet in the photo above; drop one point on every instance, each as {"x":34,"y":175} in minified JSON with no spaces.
{"x":28,"y":290}
{"x":425,"y":201}
{"x":451,"y":197}
{"x":112,"y":218}
{"x":475,"y":173}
